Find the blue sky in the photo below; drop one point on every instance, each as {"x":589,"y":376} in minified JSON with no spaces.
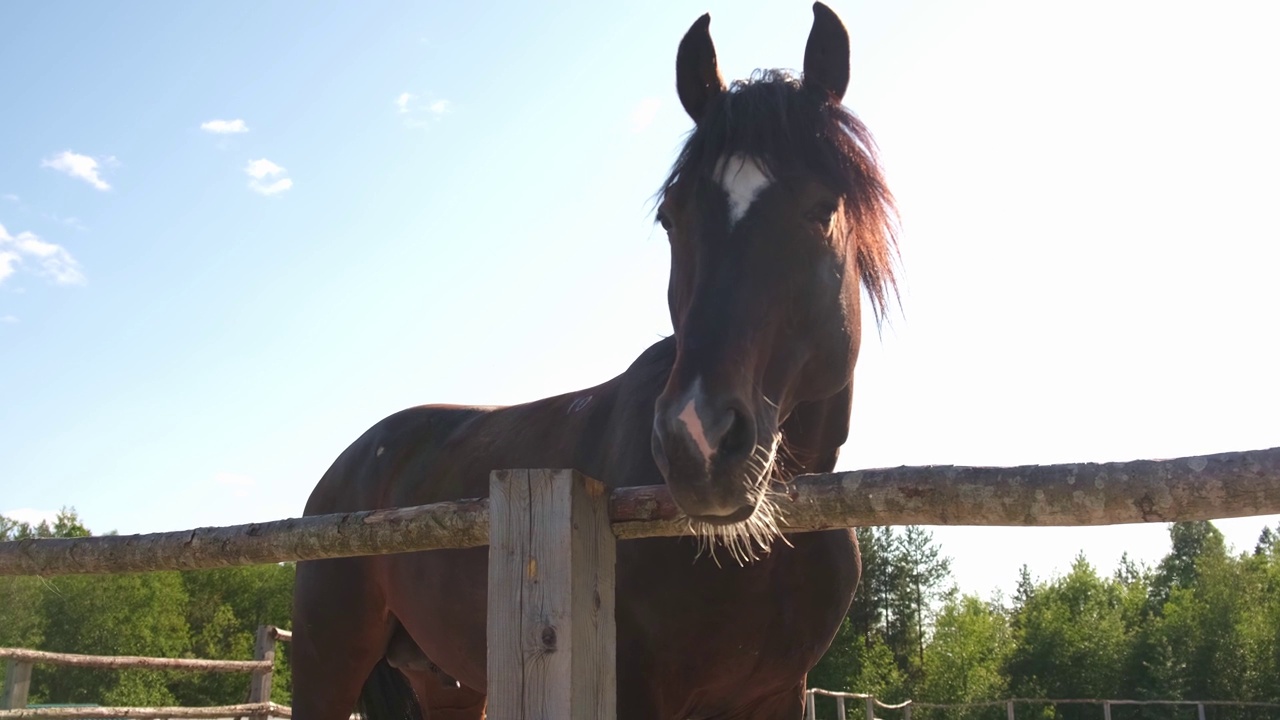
{"x":237,"y":234}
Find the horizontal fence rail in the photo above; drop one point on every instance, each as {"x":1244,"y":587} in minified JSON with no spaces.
{"x":870,"y":703}
{"x":39,"y":657}
{"x":20,"y":663}
{"x":1204,"y":487}
{"x":265,"y":709}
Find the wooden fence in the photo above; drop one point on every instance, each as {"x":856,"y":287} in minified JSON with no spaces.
{"x":17,"y":681}
{"x":870,"y":704}
{"x":552,"y":534}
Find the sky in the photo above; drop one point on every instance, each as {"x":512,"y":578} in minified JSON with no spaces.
{"x":236,"y":235}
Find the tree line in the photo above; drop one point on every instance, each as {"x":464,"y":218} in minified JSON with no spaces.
{"x":195,"y":614}
{"x":1202,"y":624}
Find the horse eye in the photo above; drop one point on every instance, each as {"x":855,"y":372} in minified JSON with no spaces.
{"x":822,"y":213}
{"x":666,"y":221}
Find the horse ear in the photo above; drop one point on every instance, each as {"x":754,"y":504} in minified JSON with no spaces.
{"x":697,"y":75}
{"x":826,"y":56}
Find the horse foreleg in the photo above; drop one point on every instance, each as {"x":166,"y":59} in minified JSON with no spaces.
{"x":445,"y":701}
{"x":340,"y":631}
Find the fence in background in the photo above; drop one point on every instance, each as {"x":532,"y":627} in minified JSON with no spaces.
{"x":17,"y":682}
{"x":870,"y":704}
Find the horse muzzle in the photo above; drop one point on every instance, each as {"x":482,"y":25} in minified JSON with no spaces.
{"x":708,"y":448}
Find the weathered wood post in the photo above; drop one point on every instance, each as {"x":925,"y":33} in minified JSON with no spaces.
{"x":1106,"y":710}
{"x":1200,"y":710}
{"x":1008,"y":706}
{"x":840,"y":708}
{"x":17,"y":681}
{"x":871,"y":708}
{"x":810,"y":705}
{"x":264,"y":648}
{"x":551,"y":597}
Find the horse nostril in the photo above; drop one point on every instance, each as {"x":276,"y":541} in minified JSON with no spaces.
{"x":740,"y":438}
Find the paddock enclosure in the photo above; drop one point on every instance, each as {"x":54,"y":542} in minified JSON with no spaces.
{"x":259,"y":706}
{"x":552,"y":534}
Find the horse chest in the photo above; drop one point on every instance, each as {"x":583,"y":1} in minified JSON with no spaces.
{"x":782,"y":610}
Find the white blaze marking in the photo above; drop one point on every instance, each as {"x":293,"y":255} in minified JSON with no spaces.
{"x":380,"y":450}
{"x":743,"y":179}
{"x":693,"y":423}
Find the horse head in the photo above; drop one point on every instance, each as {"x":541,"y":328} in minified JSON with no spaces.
{"x":776,"y":212}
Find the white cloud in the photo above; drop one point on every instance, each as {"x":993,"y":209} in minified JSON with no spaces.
{"x":71,"y":222}
{"x":420,"y":114}
{"x":259,"y":169}
{"x":8,"y":263}
{"x":8,"y":319}
{"x":278,"y":186}
{"x":12,"y":198}
{"x":78,"y":166}
{"x":48,"y":259}
{"x":224,"y":127}
{"x":644,"y":113}
{"x":262,"y":169}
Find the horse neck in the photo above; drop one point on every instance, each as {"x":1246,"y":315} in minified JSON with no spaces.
{"x":616,"y":446}
{"x":814,"y":432}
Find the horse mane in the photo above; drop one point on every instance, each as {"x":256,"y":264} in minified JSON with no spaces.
{"x":775,"y":118}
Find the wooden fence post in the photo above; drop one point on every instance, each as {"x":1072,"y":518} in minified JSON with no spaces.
{"x":551,"y":597}
{"x":1008,"y":706}
{"x":1106,"y":710}
{"x":264,"y":648}
{"x":17,"y":681}
{"x":871,"y":708}
{"x":1200,"y":710}
{"x":810,"y":705}
{"x":840,"y":713}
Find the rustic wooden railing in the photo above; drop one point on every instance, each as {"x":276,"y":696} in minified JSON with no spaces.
{"x":1206,"y":487}
{"x":551,"y":542}
{"x":13,"y":703}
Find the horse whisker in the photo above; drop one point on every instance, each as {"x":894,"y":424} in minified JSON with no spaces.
{"x":749,"y":540}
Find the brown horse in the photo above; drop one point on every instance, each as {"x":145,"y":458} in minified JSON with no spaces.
{"x":777,"y":213}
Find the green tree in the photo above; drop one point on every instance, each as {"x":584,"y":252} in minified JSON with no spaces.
{"x":920,"y":570}
{"x":1191,"y":541}
{"x":21,"y":621}
{"x":1214,"y":637}
{"x":136,"y":614}
{"x":224,"y":610}
{"x":877,"y":672}
{"x":870,"y":602}
{"x":965,"y":657}
{"x":1071,"y":640}
{"x":902,"y":573}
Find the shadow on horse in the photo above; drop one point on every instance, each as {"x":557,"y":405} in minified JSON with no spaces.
{"x":777,"y":216}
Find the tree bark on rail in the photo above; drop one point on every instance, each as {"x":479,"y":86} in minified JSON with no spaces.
{"x":1206,"y":487}
{"x":39,"y":657}
{"x":1203,"y":487}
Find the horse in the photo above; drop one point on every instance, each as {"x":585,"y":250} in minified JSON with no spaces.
{"x":778,"y":217}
